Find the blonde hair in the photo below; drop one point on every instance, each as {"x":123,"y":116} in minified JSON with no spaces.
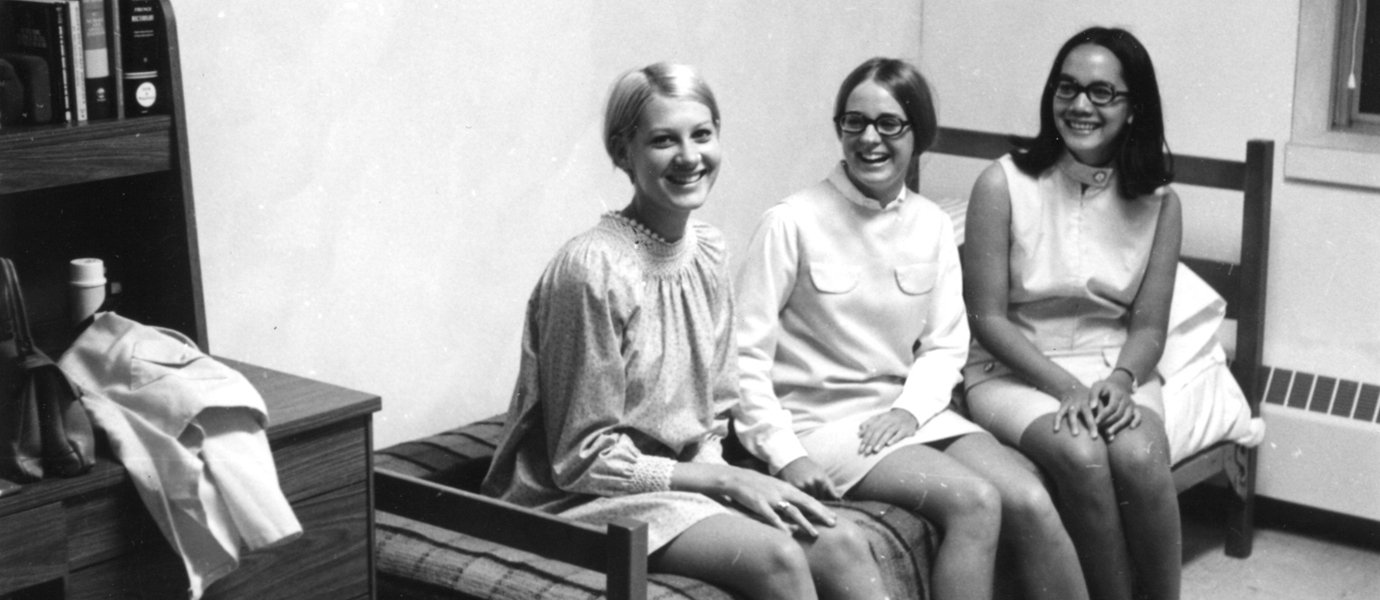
{"x":630,"y":93}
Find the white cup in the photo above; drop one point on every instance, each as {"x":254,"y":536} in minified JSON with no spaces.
{"x":86,"y":288}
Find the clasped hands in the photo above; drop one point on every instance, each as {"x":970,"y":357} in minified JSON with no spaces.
{"x":1106,"y":408}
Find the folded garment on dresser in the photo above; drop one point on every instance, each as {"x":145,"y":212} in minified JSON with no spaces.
{"x":190,"y":432}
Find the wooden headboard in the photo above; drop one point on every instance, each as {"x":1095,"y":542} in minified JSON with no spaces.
{"x":1241,"y":283}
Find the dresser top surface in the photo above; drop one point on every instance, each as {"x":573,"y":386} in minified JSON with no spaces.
{"x":295,"y":405}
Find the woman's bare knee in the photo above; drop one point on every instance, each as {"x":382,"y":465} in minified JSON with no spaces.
{"x":839,"y":547}
{"x":843,"y":566}
{"x":752,"y":558}
{"x":776,"y":566}
{"x":1065,"y":458}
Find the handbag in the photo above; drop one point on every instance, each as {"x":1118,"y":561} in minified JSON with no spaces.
{"x":44,"y":429}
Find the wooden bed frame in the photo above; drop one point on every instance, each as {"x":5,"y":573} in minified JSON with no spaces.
{"x":620,"y":550}
{"x":1242,"y":284}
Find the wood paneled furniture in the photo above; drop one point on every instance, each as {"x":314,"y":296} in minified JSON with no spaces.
{"x":1241,"y":283}
{"x":115,"y":189}
{"x":91,"y":536}
{"x":120,"y":189}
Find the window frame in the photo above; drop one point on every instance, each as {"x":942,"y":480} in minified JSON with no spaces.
{"x":1351,"y":36}
{"x":1317,"y":149}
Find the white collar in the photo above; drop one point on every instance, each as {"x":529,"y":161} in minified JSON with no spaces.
{"x":839,"y":178}
{"x":1090,"y":176}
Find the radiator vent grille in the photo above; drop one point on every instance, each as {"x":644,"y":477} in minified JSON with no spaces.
{"x":1321,"y":394}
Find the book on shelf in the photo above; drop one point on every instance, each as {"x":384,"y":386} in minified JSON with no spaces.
{"x":11,"y":96}
{"x":39,"y":29}
{"x":140,"y":42}
{"x":36,"y":104}
{"x":76,"y":59}
{"x":100,"y":83}
{"x":117,"y":69}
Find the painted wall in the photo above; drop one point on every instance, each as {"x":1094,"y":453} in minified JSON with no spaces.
{"x":379,"y":183}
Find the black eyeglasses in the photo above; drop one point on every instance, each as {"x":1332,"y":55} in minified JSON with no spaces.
{"x":887,"y":125}
{"x":1100,"y":93}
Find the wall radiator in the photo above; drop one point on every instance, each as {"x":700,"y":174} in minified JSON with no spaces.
{"x":1322,"y":443}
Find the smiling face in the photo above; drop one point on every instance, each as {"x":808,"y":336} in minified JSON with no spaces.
{"x":876,"y":164}
{"x":1092,"y":133}
{"x":673,"y":159}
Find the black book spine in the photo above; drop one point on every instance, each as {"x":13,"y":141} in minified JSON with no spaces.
{"x":39,"y":29}
{"x":141,"y":38}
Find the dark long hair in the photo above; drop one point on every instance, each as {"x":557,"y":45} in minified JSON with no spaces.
{"x":905,"y":83}
{"x":1143,"y":162}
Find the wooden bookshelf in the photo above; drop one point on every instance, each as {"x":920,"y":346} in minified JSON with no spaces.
{"x":117,"y":189}
{"x":120,"y":189}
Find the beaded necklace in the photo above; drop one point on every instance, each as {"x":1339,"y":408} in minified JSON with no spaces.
{"x":637,"y":226}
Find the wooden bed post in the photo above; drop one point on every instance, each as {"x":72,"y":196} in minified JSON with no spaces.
{"x":1248,"y":367}
{"x":627,"y":560}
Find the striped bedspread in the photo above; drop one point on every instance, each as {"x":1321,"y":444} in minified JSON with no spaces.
{"x":416,"y":560}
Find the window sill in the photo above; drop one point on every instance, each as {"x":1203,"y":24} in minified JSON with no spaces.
{"x":1335,"y":158}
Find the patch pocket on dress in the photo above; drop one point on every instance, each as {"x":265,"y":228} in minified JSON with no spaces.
{"x":916,"y":279}
{"x":833,"y":278}
{"x":155,"y":359}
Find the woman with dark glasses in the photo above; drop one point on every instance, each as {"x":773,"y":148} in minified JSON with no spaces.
{"x":851,"y":335}
{"x":1070,"y":254}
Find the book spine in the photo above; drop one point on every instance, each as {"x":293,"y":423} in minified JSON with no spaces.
{"x":29,"y":40}
{"x":140,"y":38}
{"x":95,"y":41}
{"x":64,"y":65}
{"x":117,"y":69}
{"x":76,"y":51}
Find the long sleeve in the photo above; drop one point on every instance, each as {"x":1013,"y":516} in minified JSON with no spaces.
{"x":763,"y":285}
{"x":724,"y":369}
{"x":582,"y":380}
{"x":943,"y":346}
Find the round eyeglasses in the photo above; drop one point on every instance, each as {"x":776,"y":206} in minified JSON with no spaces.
{"x":887,"y":125}
{"x":1100,"y":93}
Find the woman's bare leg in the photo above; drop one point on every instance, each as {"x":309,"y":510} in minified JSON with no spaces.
{"x":1149,"y":506}
{"x":1082,"y":475}
{"x":1040,"y":548}
{"x":966,"y":507}
{"x":765,"y":563}
{"x":843,"y":565}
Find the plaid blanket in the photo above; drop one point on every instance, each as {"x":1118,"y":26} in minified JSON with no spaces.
{"x":416,"y":560}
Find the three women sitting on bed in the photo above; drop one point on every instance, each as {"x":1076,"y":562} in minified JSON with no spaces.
{"x":1069,"y":264}
{"x":629,"y":367}
{"x":852,"y":332}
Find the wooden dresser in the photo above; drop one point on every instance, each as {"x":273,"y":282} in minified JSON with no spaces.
{"x":91,"y":536}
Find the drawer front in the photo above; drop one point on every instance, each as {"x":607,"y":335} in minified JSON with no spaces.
{"x":33,"y":547}
{"x":109,"y":524}
{"x":105,"y":525}
{"x":324,"y":459}
{"x":330,"y":560}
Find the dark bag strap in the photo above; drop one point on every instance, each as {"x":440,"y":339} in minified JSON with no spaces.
{"x":8,"y":326}
{"x":19,"y":313}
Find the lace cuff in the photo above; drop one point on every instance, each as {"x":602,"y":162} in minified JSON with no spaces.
{"x":652,"y":474}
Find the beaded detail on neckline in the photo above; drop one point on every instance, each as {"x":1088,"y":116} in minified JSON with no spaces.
{"x":661,"y":258}
{"x":638,"y":227}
